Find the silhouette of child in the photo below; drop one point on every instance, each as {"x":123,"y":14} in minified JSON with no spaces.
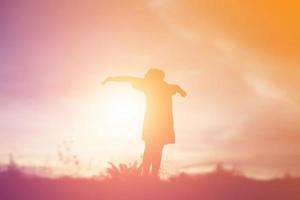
{"x":158,"y":122}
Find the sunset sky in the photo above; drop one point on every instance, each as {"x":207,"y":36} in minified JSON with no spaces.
{"x":239,"y":62}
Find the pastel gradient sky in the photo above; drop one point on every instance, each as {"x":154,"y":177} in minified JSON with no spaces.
{"x":238,"y":61}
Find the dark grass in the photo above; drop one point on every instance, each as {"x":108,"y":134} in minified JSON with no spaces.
{"x":121,"y":184}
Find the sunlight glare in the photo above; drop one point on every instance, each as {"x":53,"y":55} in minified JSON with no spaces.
{"x":123,"y":111}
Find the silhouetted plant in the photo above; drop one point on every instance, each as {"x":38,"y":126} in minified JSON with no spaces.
{"x":124,"y":171}
{"x":12,"y":169}
{"x":220,"y":169}
{"x":67,"y":158}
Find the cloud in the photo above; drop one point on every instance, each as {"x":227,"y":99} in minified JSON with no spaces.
{"x":269,"y":138}
{"x":271,"y":27}
{"x":263,"y":35}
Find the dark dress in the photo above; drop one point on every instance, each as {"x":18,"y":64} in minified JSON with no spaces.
{"x":158,"y":121}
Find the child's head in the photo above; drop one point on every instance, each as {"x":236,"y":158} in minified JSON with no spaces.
{"x":155,"y":74}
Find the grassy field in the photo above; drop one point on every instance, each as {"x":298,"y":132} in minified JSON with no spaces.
{"x":122,"y":182}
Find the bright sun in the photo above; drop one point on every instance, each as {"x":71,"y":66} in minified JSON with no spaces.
{"x":122,"y":108}
{"x":122,"y":112}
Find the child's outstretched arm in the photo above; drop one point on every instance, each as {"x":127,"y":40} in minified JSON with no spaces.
{"x":129,"y":79}
{"x":179,"y":90}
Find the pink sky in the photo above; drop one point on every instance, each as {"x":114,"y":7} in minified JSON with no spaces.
{"x":238,"y":61}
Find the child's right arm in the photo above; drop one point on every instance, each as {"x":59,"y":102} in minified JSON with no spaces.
{"x":129,"y":79}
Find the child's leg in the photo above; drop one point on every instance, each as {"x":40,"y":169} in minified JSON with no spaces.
{"x":156,"y":160}
{"x":147,"y":159}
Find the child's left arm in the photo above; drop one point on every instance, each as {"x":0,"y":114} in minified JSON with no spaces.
{"x":179,"y":90}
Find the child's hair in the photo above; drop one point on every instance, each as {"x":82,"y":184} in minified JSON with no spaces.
{"x":155,"y":74}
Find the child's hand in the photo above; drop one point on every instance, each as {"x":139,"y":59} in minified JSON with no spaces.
{"x":106,"y":80}
{"x":183,"y":93}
